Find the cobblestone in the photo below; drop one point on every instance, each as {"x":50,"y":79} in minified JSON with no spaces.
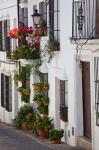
{"x":13,"y":139}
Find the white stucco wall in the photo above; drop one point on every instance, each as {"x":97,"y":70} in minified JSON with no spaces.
{"x":64,"y":59}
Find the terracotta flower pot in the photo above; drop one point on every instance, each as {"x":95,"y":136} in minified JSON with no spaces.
{"x":45,"y":89}
{"x":57,"y":141}
{"x":43,"y":134}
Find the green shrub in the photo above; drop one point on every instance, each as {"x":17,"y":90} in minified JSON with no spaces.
{"x":25,"y":114}
{"x":56,"y":134}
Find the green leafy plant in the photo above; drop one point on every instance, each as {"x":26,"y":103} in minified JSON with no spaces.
{"x":42,"y":23}
{"x":43,"y":122}
{"x":64,"y":113}
{"x":41,"y":87}
{"x":41,"y":99}
{"x":25,"y":94}
{"x":43,"y":109}
{"x":25,"y":52}
{"x":56,"y":134}
{"x":25,"y":114}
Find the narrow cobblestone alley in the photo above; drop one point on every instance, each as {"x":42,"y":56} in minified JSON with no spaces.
{"x":12,"y":139}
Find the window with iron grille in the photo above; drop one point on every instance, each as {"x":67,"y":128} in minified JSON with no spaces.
{"x":63,"y":92}
{"x":6,"y":92}
{"x":50,"y":13}
{"x":85,"y":19}
{"x":64,"y":100}
{"x":54,"y":12}
{"x":43,"y":77}
{"x":4,"y":39}
{"x":23,"y":16}
{"x":25,"y":71}
{"x":96,"y":78}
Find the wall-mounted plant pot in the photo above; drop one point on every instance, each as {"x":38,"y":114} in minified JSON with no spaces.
{"x":64,"y":119}
{"x":64,"y":113}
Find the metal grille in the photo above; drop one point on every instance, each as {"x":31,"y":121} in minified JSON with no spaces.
{"x":83,"y":19}
{"x":96,"y":78}
{"x":54,"y":11}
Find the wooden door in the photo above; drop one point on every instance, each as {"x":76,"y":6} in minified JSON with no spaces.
{"x":86,"y":99}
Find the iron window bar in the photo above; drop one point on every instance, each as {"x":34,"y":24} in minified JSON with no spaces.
{"x":96,"y":81}
{"x":83,"y":20}
{"x":53,"y":13}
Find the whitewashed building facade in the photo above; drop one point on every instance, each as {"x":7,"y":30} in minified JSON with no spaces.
{"x":72,"y":72}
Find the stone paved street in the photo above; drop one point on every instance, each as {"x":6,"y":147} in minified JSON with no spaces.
{"x":12,"y":139}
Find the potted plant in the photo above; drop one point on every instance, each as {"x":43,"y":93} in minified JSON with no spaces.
{"x":37,"y":87}
{"x":64,"y":113}
{"x":43,"y":109}
{"x":56,"y":135}
{"x":41,"y":99}
{"x":24,"y":91}
{"x":20,"y":77}
{"x":24,"y":116}
{"x":45,"y":87}
{"x":43,"y":126}
{"x":25,"y":94}
{"x":41,"y":87}
{"x":53,"y":45}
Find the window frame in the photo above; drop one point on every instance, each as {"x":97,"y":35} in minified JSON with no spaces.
{"x":6,"y":97}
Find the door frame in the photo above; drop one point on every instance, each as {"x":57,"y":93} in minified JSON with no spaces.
{"x":85,"y":126}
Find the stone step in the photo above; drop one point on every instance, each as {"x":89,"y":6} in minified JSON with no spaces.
{"x":84,"y":143}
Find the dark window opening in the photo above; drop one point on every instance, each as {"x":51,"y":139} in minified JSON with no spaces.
{"x":23,"y":16}
{"x":63,"y":99}
{"x":6,"y":92}
{"x":54,"y":30}
{"x":62,"y":92}
{"x":43,"y":77}
{"x":5,"y":42}
{"x":43,"y":12}
{"x":2,"y":90}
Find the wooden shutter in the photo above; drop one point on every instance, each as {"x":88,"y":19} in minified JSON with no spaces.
{"x":25,"y":20}
{"x":5,"y":35}
{"x":2,"y":90}
{"x":7,"y":92}
{"x":7,"y":38}
{"x":23,"y":16}
{"x":10,"y":94}
{"x":97,"y":17}
{"x":0,"y":35}
{"x":51,"y":19}
{"x":62,"y":92}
